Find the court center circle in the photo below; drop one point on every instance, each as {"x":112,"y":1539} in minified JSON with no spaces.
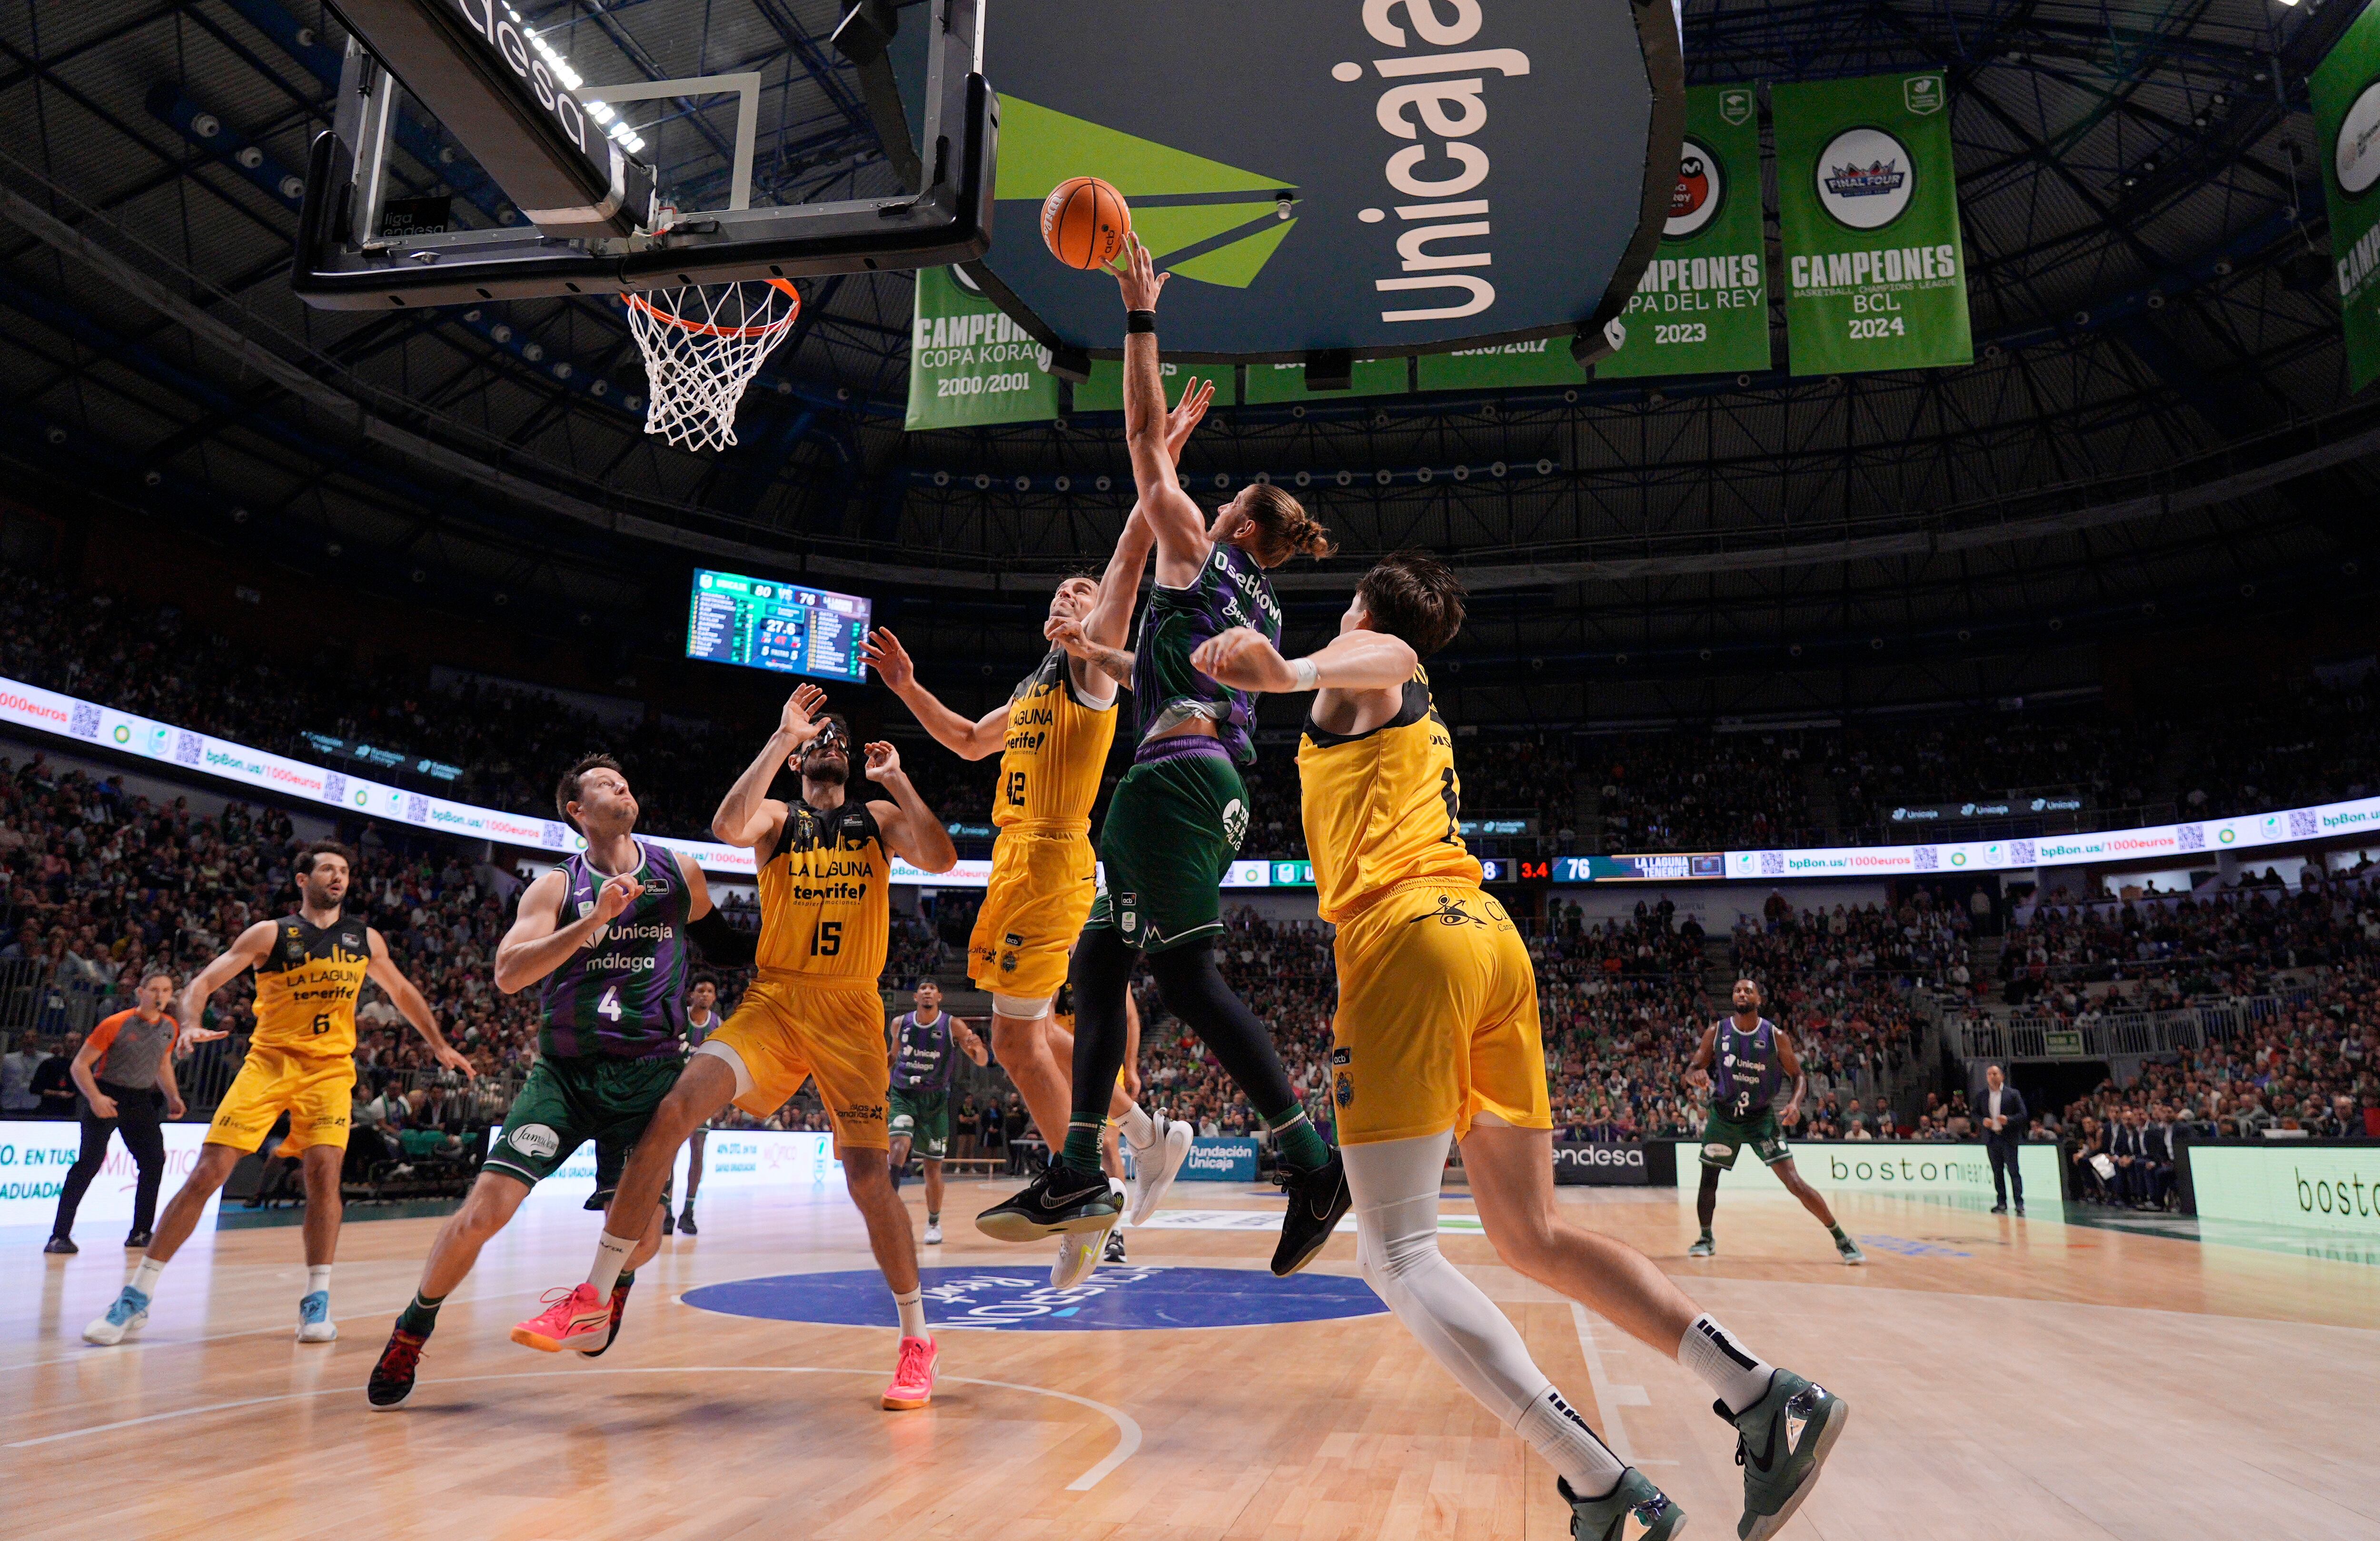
{"x":1126,"y":1298}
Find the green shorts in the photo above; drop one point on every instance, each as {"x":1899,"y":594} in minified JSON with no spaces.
{"x":1172,"y":829}
{"x":1723,"y":1137}
{"x":923,"y":1118}
{"x":566,"y":1102}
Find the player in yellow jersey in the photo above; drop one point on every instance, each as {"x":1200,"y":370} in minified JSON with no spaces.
{"x":825,"y":865}
{"x":309,"y":968}
{"x":1436,"y":1038}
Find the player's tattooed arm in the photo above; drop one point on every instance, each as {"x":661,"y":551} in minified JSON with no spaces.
{"x":1706,"y":1054}
{"x":980,"y":739}
{"x":1114,"y":663}
{"x":383,"y":971}
{"x":911,"y":829}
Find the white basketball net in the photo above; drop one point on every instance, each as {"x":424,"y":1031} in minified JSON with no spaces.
{"x":702,"y":345}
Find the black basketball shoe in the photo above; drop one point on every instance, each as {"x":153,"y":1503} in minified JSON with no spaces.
{"x":1060,"y":1199}
{"x":1318,"y":1201}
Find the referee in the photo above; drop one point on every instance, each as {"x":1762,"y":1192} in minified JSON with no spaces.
{"x":121,"y":1070}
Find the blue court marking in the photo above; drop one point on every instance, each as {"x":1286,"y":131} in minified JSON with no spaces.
{"x":1903,"y":1246}
{"x":1122,"y":1298}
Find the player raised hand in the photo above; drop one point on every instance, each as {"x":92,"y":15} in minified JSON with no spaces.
{"x":882,"y":761}
{"x":1137,"y":275}
{"x":1183,"y":422}
{"x":454,"y":1059}
{"x":883,"y":652}
{"x":1242,"y":658}
{"x":1067,"y":632}
{"x":799,"y":723}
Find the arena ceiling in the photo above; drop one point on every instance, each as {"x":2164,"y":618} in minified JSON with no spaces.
{"x":2157,"y":427}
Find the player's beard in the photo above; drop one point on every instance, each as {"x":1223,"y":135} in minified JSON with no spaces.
{"x":830,"y":772}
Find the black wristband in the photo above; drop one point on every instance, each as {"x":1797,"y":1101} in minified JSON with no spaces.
{"x":1139,"y":321}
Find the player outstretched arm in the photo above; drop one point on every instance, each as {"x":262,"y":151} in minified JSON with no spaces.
{"x":969,"y":1044}
{"x":980,"y":739}
{"x":1353,"y":662}
{"x":1098,"y":639}
{"x":539,"y":943}
{"x":246,"y":950}
{"x":748,"y":816}
{"x":1182,"y":545}
{"x":383,"y":971}
{"x":722,"y":943}
{"x":910,"y":828}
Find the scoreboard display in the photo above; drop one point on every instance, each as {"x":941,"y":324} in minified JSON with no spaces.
{"x":786,"y":628}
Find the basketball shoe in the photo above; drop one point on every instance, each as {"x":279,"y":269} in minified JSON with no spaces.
{"x":392,"y":1377}
{"x":1080,"y":1252}
{"x":913,"y":1377}
{"x":314,"y":1323}
{"x":1780,"y":1442}
{"x":573,"y":1318}
{"x":1635,"y":1510}
{"x":619,"y":1309}
{"x":126,"y":1316}
{"x":1155,"y":1167}
{"x":1059,"y":1199}
{"x":1318,"y":1202}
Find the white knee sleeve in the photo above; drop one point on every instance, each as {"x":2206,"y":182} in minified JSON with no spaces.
{"x":1395,"y":1185}
{"x":1022,"y":1008}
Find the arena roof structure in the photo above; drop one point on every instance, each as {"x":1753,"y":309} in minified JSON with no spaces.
{"x":2156,"y":431}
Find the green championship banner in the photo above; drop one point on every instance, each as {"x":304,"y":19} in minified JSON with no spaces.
{"x":1373,"y":377}
{"x":2347,"y":128}
{"x":1545,"y":361}
{"x":1867,"y":201}
{"x":1702,"y":307}
{"x":969,"y":364}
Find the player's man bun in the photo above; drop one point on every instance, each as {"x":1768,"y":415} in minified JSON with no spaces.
{"x":565,"y":791}
{"x":1284,"y":527}
{"x":1415,"y":598}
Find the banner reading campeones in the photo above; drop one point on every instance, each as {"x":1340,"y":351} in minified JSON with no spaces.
{"x":1702,"y":305}
{"x":2347,"y":128}
{"x":1867,"y":202}
{"x":969,"y":364}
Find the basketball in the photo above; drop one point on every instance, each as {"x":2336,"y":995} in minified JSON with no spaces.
{"x":1085,"y":221}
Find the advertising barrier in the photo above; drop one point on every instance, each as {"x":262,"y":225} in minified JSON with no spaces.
{"x":35,"y":1153}
{"x":30,"y":707}
{"x":1910,"y":1168}
{"x":1592,"y":1164}
{"x":2332,"y":1185}
{"x":731,"y":1158}
{"x":1213,"y":1160}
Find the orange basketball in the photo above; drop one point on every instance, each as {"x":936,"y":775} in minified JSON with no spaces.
{"x":1085,"y":221}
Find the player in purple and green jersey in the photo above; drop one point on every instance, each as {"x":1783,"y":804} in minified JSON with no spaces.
{"x":606,"y":933}
{"x":1746,"y":1061}
{"x":1177,"y":818}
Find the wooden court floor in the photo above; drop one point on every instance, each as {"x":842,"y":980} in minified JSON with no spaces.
{"x":2009,"y":1378}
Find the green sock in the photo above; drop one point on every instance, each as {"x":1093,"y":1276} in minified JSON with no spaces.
{"x":1300,"y":1146}
{"x":1082,"y":1149}
{"x":1706,"y":1233}
{"x":933,"y":1217}
{"x":1841,"y":1239}
{"x":420,"y":1317}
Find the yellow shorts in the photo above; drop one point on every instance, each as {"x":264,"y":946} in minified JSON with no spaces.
{"x":786,"y":1032}
{"x":1034,"y":907}
{"x":313,"y":1089}
{"x":1436,"y":1020}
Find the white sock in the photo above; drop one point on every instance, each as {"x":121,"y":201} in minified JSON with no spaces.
{"x":144,"y":1278}
{"x":612,"y":1253}
{"x":318,"y":1278}
{"x":1738,"y":1376}
{"x":1140,"y":1131}
{"x":1569,"y":1446}
{"x":1395,"y":1185}
{"x":912,"y":1313}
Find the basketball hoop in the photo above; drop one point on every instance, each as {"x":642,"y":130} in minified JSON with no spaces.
{"x":702,"y":345}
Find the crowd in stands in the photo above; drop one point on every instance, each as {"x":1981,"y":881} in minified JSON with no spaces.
{"x":2229,"y":942}
{"x":1701,"y":792}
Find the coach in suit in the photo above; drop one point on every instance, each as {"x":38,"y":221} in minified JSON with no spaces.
{"x":2004,"y":1121}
